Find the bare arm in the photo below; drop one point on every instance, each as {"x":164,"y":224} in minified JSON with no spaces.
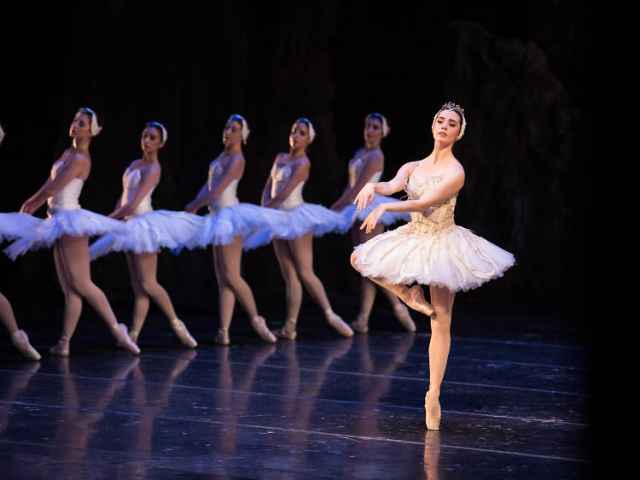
{"x":266,"y":191}
{"x":76,"y":164}
{"x":200,"y":200}
{"x":442,"y":192}
{"x":150,"y":179}
{"x":374,"y":164}
{"x":299,"y":173}
{"x":210,"y":193}
{"x":398,"y":182}
{"x":366,"y":194}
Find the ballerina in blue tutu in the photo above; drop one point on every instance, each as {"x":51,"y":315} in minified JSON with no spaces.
{"x":146,"y":232}
{"x":12,"y":226}
{"x":68,"y":228}
{"x":232,"y":226}
{"x":294,"y":247}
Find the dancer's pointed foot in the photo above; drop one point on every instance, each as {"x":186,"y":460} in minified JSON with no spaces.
{"x":259,"y":324}
{"x":432,"y":411}
{"x":134,"y":335}
{"x":414,"y":298}
{"x":21,"y":342}
{"x":61,"y":349}
{"x":361,"y":324}
{"x":402,"y":314}
{"x":338,"y":324}
{"x":222,"y":338}
{"x":288,"y":331}
{"x":123,"y":340}
{"x":183,"y":334}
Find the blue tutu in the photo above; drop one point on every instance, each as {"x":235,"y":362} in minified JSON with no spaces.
{"x":149,"y":232}
{"x":72,"y":222}
{"x":311,"y":218}
{"x":15,"y":225}
{"x":350,"y":214}
{"x":256,"y":225}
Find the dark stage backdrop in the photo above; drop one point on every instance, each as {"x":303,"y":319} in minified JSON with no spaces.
{"x":516,"y":70}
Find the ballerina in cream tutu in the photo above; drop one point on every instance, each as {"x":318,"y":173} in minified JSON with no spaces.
{"x":431,"y":249}
{"x":68,"y":228}
{"x":146,"y":231}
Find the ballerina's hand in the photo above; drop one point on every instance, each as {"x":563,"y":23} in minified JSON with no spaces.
{"x":28,"y":207}
{"x":365,"y":196}
{"x":372,"y":219}
{"x":190,"y":208}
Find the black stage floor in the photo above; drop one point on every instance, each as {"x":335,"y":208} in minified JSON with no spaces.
{"x":514,"y":406}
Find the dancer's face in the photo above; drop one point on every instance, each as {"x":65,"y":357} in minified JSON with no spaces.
{"x":81,"y":126}
{"x":151,"y":140}
{"x":446,"y":127}
{"x":232,"y":133}
{"x":373,"y":131}
{"x":299,"y":136}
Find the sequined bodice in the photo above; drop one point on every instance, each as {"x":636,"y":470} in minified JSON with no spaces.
{"x":435,"y":218}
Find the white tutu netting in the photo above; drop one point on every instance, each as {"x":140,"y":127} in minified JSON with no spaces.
{"x":74,"y":222}
{"x":432,"y":250}
{"x":256,"y":225}
{"x":311,"y":218}
{"x":149,"y":232}
{"x":15,"y":225}
{"x":350,"y":214}
{"x":456,"y":258}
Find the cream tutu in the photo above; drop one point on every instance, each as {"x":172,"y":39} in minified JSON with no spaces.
{"x":432,"y":249}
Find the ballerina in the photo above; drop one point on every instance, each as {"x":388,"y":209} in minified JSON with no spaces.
{"x":146,"y":232}
{"x":294,"y":248}
{"x":67,"y":229}
{"x":431,"y":249}
{"x":12,"y":226}
{"x":232,"y":226}
{"x":366,"y":166}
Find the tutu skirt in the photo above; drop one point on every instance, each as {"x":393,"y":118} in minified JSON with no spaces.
{"x":455,"y":258}
{"x":149,"y":232}
{"x":73,"y":222}
{"x":15,"y":225}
